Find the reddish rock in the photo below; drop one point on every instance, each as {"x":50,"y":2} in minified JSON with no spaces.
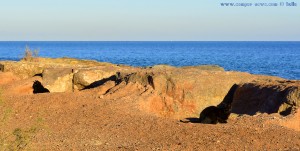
{"x":7,"y":77}
{"x":183,"y":92}
{"x":20,"y":87}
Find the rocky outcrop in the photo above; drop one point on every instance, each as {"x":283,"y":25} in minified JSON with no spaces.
{"x":281,"y":97}
{"x":183,"y":92}
{"x":27,"y":69}
{"x":57,"y":72}
{"x":21,"y":69}
{"x":165,"y":90}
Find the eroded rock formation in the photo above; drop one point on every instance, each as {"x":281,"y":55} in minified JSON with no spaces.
{"x":165,"y":90}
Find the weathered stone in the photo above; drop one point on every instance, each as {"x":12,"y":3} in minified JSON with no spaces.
{"x":85,"y":77}
{"x":94,"y":70}
{"x":267,"y":97}
{"x":21,"y":69}
{"x":185,"y":92}
{"x":27,"y":69}
{"x":58,"y":79}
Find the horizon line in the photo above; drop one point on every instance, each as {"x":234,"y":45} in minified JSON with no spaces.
{"x":149,"y":40}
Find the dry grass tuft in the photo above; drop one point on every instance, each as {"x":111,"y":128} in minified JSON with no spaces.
{"x":30,"y":55}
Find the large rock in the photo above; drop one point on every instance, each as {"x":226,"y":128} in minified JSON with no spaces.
{"x":85,"y":77}
{"x":183,"y":92}
{"x":58,"y":79}
{"x":27,"y":69}
{"x":281,"y":97}
{"x":23,"y":70}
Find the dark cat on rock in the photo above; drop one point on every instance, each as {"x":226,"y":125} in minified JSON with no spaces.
{"x":214,"y":115}
{"x":39,"y":88}
{"x":220,"y":113}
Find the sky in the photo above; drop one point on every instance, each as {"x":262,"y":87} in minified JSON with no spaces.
{"x":146,"y":20}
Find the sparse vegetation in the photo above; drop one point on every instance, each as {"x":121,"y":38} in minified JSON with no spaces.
{"x":30,"y":55}
{"x":18,"y":138}
{"x":22,"y":138}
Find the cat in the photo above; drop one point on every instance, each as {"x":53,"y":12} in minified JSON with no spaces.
{"x":214,"y":115}
{"x":39,"y":88}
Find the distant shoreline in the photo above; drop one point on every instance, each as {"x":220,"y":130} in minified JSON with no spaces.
{"x":145,"y":41}
{"x":277,"y":58}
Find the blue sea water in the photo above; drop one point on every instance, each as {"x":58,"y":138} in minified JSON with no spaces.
{"x":270,"y":58}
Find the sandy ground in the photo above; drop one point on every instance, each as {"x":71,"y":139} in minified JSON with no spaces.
{"x":88,"y":121}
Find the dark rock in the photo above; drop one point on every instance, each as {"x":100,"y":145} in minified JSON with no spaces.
{"x":267,"y":97}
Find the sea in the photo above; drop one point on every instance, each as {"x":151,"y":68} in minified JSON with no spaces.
{"x":269,"y":58}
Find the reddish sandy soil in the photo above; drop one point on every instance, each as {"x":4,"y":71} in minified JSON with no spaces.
{"x":88,"y":121}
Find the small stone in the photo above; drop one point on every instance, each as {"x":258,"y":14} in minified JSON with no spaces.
{"x":101,"y":97}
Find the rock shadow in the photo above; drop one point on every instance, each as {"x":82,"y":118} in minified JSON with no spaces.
{"x":115,"y":78}
{"x":2,"y":67}
{"x":190,"y":120}
{"x":227,"y":101}
{"x":38,"y":75}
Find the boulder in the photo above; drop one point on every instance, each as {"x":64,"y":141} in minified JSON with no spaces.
{"x":58,"y":79}
{"x":281,"y":97}
{"x":85,"y":77}
{"x":23,"y":70}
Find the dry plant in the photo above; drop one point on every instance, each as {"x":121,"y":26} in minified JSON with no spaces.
{"x":30,"y":55}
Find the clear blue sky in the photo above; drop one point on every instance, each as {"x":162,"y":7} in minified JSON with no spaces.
{"x":146,"y":20}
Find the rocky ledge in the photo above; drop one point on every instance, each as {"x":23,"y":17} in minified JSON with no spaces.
{"x":162,"y":90}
